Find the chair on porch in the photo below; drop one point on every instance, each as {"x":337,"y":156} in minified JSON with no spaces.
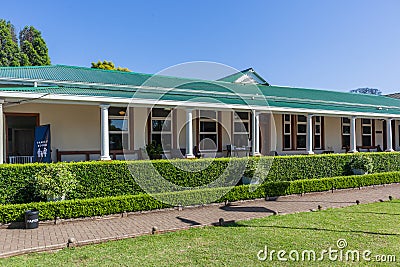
{"x":196,"y":152}
{"x":229,"y":149}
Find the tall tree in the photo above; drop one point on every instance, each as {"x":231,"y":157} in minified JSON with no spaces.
{"x":34,"y":50}
{"x":9,"y":50}
{"x":107,"y":65}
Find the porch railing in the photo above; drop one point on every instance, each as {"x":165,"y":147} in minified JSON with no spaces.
{"x":20,"y":159}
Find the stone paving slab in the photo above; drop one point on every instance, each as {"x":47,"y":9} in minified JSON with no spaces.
{"x":55,"y":236}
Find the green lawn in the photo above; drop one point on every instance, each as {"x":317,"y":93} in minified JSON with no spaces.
{"x":374,"y":227}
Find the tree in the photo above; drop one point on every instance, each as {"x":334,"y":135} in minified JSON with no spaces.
{"x":9,"y":50}
{"x":370,"y":91}
{"x":34,"y":51}
{"x":107,"y":65}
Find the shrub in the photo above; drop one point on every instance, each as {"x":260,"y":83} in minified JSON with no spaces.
{"x":118,"y":204}
{"x":55,"y":181}
{"x":101,"y":179}
{"x":361,"y":162}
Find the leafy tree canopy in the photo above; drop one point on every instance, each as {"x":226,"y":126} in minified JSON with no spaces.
{"x":9,"y":50}
{"x":32,"y":49}
{"x":108,"y":65}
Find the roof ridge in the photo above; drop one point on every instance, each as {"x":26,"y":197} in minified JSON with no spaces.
{"x":317,"y":89}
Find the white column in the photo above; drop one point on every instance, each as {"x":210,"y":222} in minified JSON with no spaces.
{"x":189,"y":134}
{"x":1,"y":132}
{"x":105,"y":143}
{"x":389,"y":137}
{"x":353,"y":140}
{"x":255,"y":133}
{"x":309,"y":137}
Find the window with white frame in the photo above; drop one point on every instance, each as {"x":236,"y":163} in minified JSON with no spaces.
{"x":318,"y":132}
{"x":287,"y":131}
{"x":241,"y":128}
{"x":345,"y":132}
{"x":161,"y":128}
{"x":301,"y":135}
{"x":208,"y":130}
{"x":118,"y":122}
{"x":366,"y":132}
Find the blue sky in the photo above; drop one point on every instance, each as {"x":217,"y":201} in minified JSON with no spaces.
{"x":336,"y":45}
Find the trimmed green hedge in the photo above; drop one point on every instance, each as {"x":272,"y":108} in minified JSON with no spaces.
{"x":113,"y":205}
{"x":101,"y":179}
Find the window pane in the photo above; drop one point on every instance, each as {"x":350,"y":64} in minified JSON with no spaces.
{"x":241,"y":140}
{"x":156,"y":138}
{"x":166,"y":143}
{"x":113,"y":111}
{"x":301,"y":141}
{"x":302,"y":128}
{"x":366,"y":129}
{"x":241,"y":127}
{"x":287,"y":128}
{"x":301,"y":118}
{"x":287,"y":117}
{"x":161,"y":125}
{"x":366,"y":140}
{"x":317,"y":119}
{"x":118,"y":125}
{"x":317,"y":129}
{"x":117,"y":142}
{"x":366,"y":121}
{"x":208,"y":114}
{"x":208,"y":126}
{"x":346,"y":129}
{"x":317,"y":141}
{"x":287,"y":142}
{"x":346,"y":140}
{"x":346,"y":120}
{"x":208,"y":141}
{"x":160,"y":112}
{"x":242,"y":115}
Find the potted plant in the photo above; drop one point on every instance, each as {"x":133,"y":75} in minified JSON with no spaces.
{"x":55,"y":181}
{"x":154,"y":150}
{"x":361,"y":164}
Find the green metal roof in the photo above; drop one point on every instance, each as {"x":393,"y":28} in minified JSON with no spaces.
{"x":79,"y":81}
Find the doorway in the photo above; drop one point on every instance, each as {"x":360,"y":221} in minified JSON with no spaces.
{"x":20,"y":133}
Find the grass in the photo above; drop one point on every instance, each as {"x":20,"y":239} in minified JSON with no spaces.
{"x":374,"y":227}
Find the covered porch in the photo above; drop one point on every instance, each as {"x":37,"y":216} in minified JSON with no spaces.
{"x":118,"y":131}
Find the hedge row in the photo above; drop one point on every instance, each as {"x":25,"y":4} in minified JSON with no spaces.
{"x":113,"y":205}
{"x":101,"y":179}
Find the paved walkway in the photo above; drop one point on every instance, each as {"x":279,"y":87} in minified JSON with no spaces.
{"x":50,"y":236}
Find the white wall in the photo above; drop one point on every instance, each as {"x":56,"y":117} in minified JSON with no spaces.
{"x":73,"y":127}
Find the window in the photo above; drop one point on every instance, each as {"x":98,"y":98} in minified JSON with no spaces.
{"x":318,"y":132}
{"x":208,"y":130}
{"x":118,"y":128}
{"x":287,"y":131}
{"x":301,"y":135}
{"x":161,"y":128}
{"x":295,"y":132}
{"x":241,"y":126}
{"x":366,"y":125}
{"x":345,"y":132}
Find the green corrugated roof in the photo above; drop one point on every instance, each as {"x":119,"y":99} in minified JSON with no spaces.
{"x":66,"y":80}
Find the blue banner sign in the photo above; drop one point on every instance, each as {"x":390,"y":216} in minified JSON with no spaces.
{"x":41,"y":151}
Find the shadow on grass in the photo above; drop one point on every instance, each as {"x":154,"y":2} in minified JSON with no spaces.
{"x":234,"y":224}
